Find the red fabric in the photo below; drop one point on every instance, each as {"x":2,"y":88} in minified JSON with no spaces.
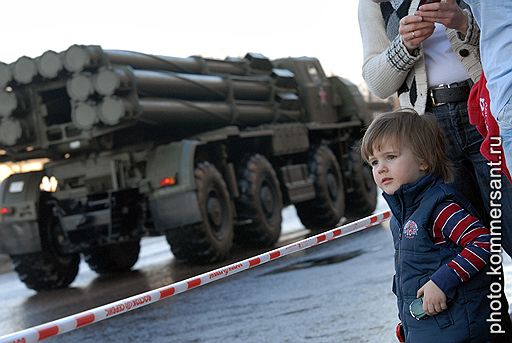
{"x":400,"y":333}
{"x":480,"y":116}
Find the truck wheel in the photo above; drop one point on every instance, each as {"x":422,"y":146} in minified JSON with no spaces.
{"x":260,"y":203}
{"x":326,"y":209}
{"x":49,"y":268}
{"x":114,"y":258}
{"x":363,"y":199}
{"x":210,"y":240}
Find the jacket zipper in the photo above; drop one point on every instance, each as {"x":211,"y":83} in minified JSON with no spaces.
{"x":399,"y":286}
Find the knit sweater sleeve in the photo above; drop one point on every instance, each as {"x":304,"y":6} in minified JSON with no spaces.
{"x":386,"y":64}
{"x":471,"y":43}
{"x":455,"y":224}
{"x":472,"y":36}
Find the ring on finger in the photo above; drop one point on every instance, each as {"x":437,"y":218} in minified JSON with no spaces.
{"x":413,"y":34}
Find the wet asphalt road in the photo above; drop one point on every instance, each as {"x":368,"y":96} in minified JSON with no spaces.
{"x":336,"y":292}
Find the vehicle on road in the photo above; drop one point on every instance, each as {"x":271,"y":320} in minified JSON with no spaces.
{"x":204,"y":151}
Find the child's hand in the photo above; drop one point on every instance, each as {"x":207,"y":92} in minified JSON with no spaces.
{"x":434,"y":299}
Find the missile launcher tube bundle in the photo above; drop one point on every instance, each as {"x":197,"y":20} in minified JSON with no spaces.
{"x":157,"y":85}
{"x":190,"y":65}
{"x":78,"y":58}
{"x":182,"y":86}
{"x":159,"y":111}
{"x":104,"y":88}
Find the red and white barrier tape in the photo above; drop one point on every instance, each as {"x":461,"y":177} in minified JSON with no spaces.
{"x":75,"y":321}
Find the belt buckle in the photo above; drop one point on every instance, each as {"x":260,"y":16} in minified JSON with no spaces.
{"x":431,"y":94}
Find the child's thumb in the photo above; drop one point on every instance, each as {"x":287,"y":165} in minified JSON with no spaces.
{"x":419,"y":294}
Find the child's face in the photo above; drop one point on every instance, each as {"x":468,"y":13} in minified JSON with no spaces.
{"x":394,"y":165}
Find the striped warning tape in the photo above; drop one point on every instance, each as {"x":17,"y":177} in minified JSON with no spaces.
{"x":75,"y":321}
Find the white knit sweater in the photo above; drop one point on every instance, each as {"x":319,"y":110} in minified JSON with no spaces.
{"x":388,"y":64}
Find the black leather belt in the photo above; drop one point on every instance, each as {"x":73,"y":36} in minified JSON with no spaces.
{"x":454,"y":92}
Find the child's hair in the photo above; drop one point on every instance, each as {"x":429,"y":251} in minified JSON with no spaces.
{"x":420,"y":133}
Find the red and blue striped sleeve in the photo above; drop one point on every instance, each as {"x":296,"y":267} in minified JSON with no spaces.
{"x":452,"y":222}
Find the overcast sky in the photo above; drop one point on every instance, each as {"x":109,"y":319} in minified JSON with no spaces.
{"x":326,"y":29}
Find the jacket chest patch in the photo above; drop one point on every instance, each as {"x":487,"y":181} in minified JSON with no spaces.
{"x":410,"y":229}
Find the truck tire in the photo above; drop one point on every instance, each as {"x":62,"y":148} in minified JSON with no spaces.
{"x":212,"y":239}
{"x":327,"y":208}
{"x":114,"y":258}
{"x":362,"y":201}
{"x":260,"y":203}
{"x":49,"y":268}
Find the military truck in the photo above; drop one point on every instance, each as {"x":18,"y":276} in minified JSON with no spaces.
{"x":207,"y":152}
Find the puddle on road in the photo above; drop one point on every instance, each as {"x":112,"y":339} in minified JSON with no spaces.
{"x":316,"y":262}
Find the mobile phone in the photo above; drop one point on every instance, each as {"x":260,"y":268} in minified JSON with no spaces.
{"x":424,"y":2}
{"x":416,"y":309}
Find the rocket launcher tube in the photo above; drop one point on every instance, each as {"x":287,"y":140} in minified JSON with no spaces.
{"x":10,"y":131}
{"x":81,"y":57}
{"x":24,"y":70}
{"x":159,"y":111}
{"x":176,"y":112}
{"x":5,"y":74}
{"x":112,"y":109}
{"x":108,"y":81}
{"x":252,"y":63}
{"x":199,"y":87}
{"x":151,"y":83}
{"x":8,"y":103}
{"x":139,"y":60}
{"x":189,"y":65}
{"x":79,"y":87}
{"x":84,"y":116}
{"x":49,"y":64}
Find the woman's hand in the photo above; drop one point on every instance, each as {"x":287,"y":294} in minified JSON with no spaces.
{"x":414,"y":30}
{"x":446,"y":12}
{"x":434,"y":299}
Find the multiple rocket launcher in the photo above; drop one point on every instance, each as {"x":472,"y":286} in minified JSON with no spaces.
{"x":62,"y":103}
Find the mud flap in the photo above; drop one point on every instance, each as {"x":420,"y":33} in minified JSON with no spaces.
{"x":176,"y":205}
{"x":19,"y":228}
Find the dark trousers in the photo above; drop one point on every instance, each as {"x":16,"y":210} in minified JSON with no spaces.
{"x":472,"y":173}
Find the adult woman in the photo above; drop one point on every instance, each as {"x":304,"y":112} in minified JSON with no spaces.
{"x":430,"y":57}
